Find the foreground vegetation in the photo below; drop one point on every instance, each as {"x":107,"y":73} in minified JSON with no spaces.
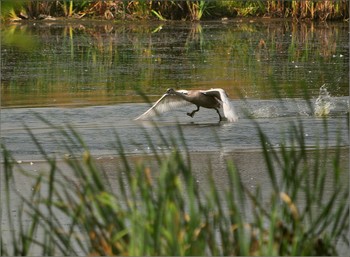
{"x":164,"y":211}
{"x":176,"y":10}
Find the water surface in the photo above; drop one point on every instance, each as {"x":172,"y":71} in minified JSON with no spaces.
{"x":89,"y":74}
{"x":98,"y":63}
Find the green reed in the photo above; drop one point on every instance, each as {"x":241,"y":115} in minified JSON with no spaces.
{"x":175,"y":10}
{"x":161,"y":210}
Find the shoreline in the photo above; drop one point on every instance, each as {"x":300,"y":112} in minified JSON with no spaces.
{"x":224,"y":20}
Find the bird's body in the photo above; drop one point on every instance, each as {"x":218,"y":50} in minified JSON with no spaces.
{"x":202,"y":99}
{"x":212,"y":99}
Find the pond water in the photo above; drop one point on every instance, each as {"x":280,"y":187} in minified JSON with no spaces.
{"x":90,"y":75}
{"x":99,"y":63}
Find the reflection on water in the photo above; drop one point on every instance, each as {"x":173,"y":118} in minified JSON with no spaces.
{"x":98,"y":63}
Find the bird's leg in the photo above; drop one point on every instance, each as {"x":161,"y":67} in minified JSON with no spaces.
{"x":217,"y":110}
{"x":193,"y":112}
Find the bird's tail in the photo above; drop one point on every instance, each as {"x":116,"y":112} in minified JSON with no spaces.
{"x":229,"y":112}
{"x":227,"y":106}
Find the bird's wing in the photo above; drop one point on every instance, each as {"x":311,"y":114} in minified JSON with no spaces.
{"x":227,"y":106}
{"x":214,"y":92}
{"x":165,"y":103}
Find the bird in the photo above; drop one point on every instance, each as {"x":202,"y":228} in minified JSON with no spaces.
{"x":212,"y":99}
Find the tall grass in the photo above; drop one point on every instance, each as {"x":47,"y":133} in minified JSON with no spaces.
{"x":163,"y":210}
{"x":175,"y":10}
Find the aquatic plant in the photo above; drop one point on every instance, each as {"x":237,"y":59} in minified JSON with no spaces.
{"x":321,"y":10}
{"x":158,"y":208}
{"x":192,"y":10}
{"x":196,"y":9}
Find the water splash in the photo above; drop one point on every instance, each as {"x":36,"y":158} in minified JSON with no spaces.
{"x":324,"y":103}
{"x":265,"y":112}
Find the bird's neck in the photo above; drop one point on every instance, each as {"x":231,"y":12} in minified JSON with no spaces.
{"x":183,"y":96}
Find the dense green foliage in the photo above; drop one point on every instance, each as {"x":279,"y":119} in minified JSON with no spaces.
{"x":176,"y":10}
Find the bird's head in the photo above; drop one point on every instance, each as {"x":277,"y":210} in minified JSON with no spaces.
{"x":170,"y":91}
